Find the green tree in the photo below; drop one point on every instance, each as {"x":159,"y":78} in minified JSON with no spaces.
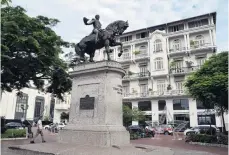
{"x":130,"y":115}
{"x":210,"y":84}
{"x":5,"y":2}
{"x":46,"y":118}
{"x":30,"y":52}
{"x":64,"y":116}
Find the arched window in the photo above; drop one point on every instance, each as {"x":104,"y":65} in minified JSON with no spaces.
{"x":176,"y":44}
{"x":199,"y":40}
{"x":157,"y":45}
{"x":158,"y":63}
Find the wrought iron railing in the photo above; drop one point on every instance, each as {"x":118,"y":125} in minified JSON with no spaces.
{"x":137,"y":75}
{"x":197,"y":46}
{"x":142,"y":54}
{"x":177,"y":70}
{"x":154,"y":94}
{"x":174,"y":50}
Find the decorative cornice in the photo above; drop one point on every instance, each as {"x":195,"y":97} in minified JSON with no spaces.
{"x":97,"y":67}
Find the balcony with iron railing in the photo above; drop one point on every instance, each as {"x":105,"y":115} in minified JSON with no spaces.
{"x":183,"y":70}
{"x":196,"y":46}
{"x":177,"y":51}
{"x":135,"y":41}
{"x":140,"y":75}
{"x":143,"y":54}
{"x":125,"y":57}
{"x":153,"y":94}
{"x":136,"y":95}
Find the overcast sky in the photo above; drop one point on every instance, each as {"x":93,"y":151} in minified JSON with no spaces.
{"x":139,"y":13}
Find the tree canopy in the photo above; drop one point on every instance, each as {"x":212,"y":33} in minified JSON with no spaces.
{"x":5,"y":2}
{"x":210,"y":83}
{"x":64,"y":115}
{"x":30,"y":52}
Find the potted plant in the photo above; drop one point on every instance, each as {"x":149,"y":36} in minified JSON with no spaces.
{"x":134,"y":91}
{"x":130,"y":73}
{"x":172,"y":64}
{"x":169,"y":87}
{"x":136,"y":52}
{"x":189,"y":64}
{"x":192,"y":42}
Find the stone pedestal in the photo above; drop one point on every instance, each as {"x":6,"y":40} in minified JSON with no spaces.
{"x":96,"y":106}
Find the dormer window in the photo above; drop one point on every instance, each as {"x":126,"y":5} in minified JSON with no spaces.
{"x":198,"y":23}
{"x":142,"y":35}
{"x":176,"y":28}
{"x":126,"y":38}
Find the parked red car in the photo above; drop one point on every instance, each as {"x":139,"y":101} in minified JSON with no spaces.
{"x":164,"y":129}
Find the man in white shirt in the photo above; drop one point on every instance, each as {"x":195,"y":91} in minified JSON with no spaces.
{"x":39,"y":131}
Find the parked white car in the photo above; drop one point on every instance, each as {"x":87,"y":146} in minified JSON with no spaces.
{"x":61,"y":125}
{"x":196,"y":130}
{"x":46,"y":127}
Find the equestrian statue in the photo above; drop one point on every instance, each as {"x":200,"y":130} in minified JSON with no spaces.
{"x":100,"y":38}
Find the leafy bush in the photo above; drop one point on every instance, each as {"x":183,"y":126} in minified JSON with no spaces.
{"x":203,"y":138}
{"x":222,"y":139}
{"x":14,"y":133}
{"x":134,"y":136}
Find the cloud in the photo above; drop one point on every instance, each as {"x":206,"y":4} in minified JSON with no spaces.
{"x":139,"y":13}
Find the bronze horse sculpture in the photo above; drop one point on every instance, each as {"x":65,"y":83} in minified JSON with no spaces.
{"x":106,"y":38}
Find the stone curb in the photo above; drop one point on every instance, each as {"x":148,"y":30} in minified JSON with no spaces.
{"x":209,"y":144}
{"x":13,"y":138}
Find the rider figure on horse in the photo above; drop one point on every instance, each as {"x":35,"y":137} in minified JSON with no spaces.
{"x":96,"y":24}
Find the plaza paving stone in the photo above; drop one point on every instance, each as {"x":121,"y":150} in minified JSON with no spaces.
{"x":178,"y":146}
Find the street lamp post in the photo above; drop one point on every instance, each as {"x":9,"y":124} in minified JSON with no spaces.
{"x":24,"y":107}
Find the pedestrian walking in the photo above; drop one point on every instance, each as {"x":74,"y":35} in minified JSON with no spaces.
{"x":39,"y":131}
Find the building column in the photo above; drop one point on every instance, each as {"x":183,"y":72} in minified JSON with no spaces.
{"x":209,"y":21}
{"x":192,"y":112}
{"x":211,"y":18}
{"x":188,"y":41}
{"x":213,"y":37}
{"x":134,"y":105}
{"x":131,"y":52}
{"x":210,"y":32}
{"x":185,"y":41}
{"x":167,"y":45}
{"x":133,"y":49}
{"x":116,"y":54}
{"x":169,"y":111}
{"x":154,"y":109}
{"x":148,"y":48}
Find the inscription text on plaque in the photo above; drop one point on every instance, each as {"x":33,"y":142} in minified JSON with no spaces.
{"x":87,"y":103}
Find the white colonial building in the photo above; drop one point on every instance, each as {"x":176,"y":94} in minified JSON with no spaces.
{"x":158,"y":60}
{"x":32,"y":105}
